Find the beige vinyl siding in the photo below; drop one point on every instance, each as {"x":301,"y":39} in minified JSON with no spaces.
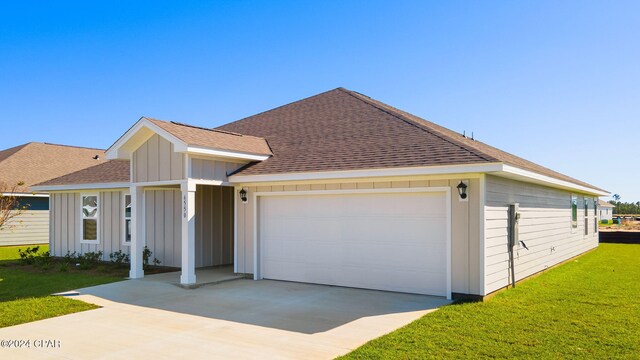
{"x":65,"y":224}
{"x":163,"y":225}
{"x":155,"y":160}
{"x":545,"y":227}
{"x":212,"y":169}
{"x":30,"y":227}
{"x":465,"y":233}
{"x":214,"y":225}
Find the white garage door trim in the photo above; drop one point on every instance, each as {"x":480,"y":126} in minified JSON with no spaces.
{"x":256,"y":243}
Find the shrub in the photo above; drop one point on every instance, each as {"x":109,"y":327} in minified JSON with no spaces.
{"x":28,"y":256}
{"x":70,"y":258}
{"x":43,"y":260}
{"x":63,"y":267}
{"x":90,"y":259}
{"x":119,"y":257}
{"x":146,"y":255}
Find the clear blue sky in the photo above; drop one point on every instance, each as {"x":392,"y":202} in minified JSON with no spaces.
{"x":556,"y":82}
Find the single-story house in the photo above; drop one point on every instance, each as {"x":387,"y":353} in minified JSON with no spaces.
{"x":605,"y":210}
{"x":29,"y":164}
{"x":336,"y":189}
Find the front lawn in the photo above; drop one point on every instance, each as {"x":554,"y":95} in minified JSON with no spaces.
{"x":11,"y":252}
{"x":587,"y":308}
{"x":25,"y":289}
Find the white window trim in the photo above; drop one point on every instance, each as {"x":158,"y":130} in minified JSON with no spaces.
{"x":97,"y":240}
{"x":595,"y":216}
{"x":574,"y":229}
{"x":585,"y":207}
{"x":124,"y":217}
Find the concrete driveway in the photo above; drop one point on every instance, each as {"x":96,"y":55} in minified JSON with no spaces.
{"x":240,"y":319}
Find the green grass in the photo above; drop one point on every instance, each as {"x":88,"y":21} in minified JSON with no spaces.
{"x":25,"y":290}
{"x":587,"y":308}
{"x":11,"y":252}
{"x":31,"y":309}
{"x":18,"y":282}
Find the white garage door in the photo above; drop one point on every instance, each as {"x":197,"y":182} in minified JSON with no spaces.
{"x":384,"y":241}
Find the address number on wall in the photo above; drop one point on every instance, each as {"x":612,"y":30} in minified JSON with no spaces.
{"x":184,"y":206}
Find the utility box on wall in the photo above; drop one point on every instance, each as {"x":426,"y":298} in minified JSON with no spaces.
{"x":514,"y":217}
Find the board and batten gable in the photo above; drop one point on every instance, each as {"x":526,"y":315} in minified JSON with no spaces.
{"x":465,"y":215}
{"x":65,"y":224}
{"x":545,"y":226}
{"x":156,"y":160}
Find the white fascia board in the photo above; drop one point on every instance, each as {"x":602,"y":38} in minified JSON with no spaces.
{"x":530,"y":176}
{"x":93,"y":186}
{"x":196,"y":150}
{"x":114,"y":153}
{"x":19,"y":194}
{"x":498,"y":169}
{"x":347,"y":174}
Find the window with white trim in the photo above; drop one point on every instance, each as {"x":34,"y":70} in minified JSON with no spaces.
{"x":574,"y":211}
{"x":586,"y":215}
{"x":595,"y":215}
{"x":127,"y":219}
{"x":89,"y":216}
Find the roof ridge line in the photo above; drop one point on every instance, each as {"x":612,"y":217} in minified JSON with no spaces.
{"x":71,"y":146}
{"x":401,"y":117}
{"x":21,"y":147}
{"x":203,"y":128}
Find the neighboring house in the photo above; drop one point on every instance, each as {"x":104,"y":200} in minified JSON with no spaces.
{"x":605,"y":210}
{"x":335,"y":189}
{"x":29,"y":164}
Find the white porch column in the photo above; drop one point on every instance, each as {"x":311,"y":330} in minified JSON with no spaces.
{"x":188,"y":276}
{"x":137,"y":232}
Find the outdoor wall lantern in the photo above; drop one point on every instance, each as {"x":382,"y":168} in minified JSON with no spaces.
{"x":243,"y":195}
{"x":462,"y":190}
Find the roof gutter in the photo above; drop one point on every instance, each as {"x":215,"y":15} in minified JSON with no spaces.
{"x":350,"y":174}
{"x":497,"y":169}
{"x":22,"y":194}
{"x":199,"y":150}
{"x":93,"y":186}
{"x":513,"y":172}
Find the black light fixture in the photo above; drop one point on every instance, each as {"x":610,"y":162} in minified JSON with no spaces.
{"x":462,"y":190}
{"x":243,"y":195}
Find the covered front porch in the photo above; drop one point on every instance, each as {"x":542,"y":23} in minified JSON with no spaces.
{"x":182,"y":204}
{"x":185,"y":225}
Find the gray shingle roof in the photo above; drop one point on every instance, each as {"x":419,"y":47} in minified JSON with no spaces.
{"x":334,"y":131}
{"x":112,"y":171}
{"x":344,"y":130}
{"x":216,"y":139}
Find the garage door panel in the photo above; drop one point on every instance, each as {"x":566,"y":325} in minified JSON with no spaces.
{"x":388,"y":241}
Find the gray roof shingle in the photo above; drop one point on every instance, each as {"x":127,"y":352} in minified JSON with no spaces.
{"x":212,"y":138}
{"x":345,"y":130}
{"x":112,"y":171}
